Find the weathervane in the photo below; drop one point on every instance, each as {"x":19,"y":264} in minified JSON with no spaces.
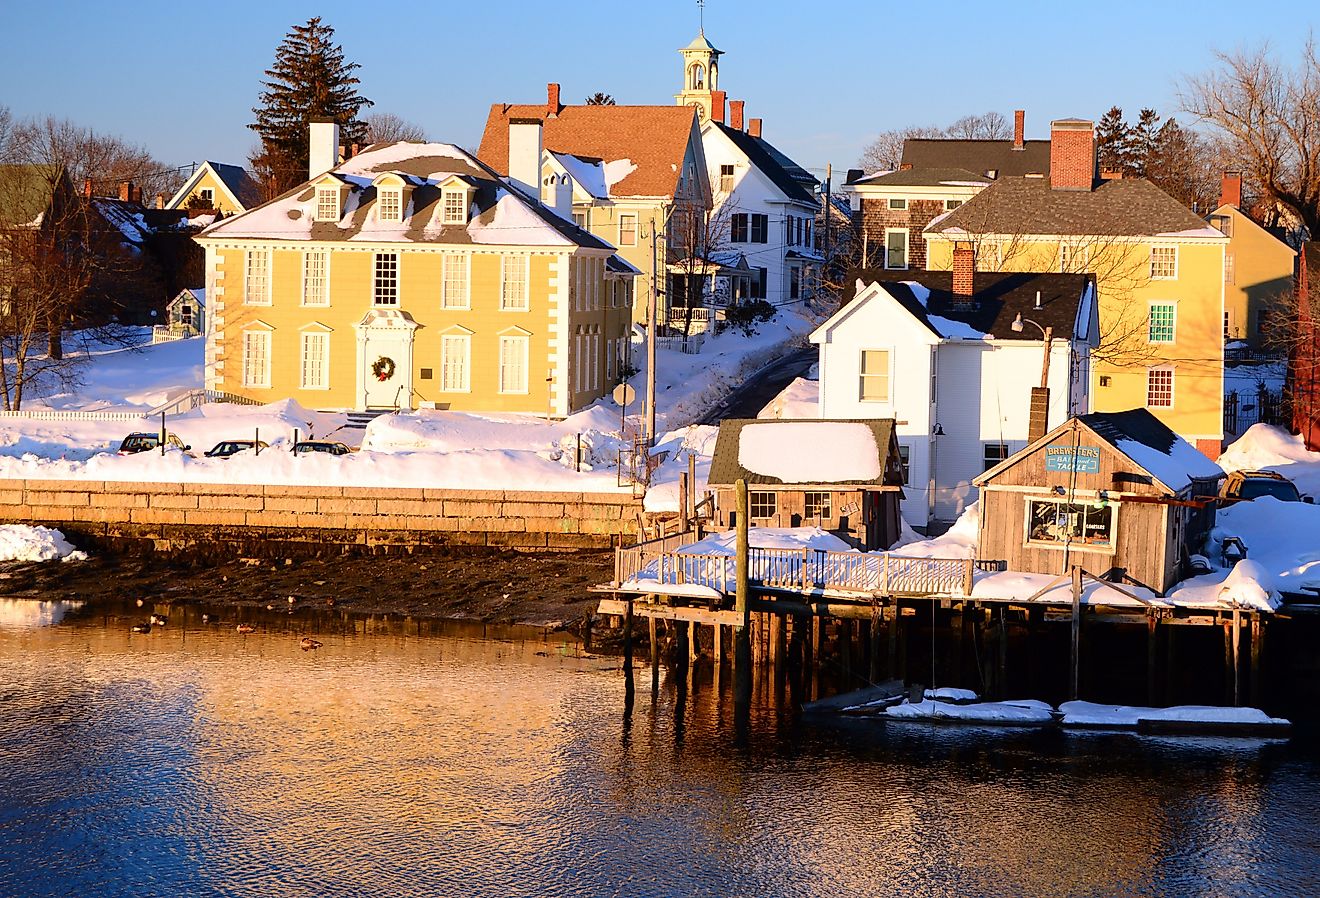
{"x":701,"y":15}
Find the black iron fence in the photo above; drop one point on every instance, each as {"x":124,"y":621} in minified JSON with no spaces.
{"x":1261,"y":406}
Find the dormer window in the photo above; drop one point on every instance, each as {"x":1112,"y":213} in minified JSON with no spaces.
{"x":455,"y":208}
{"x":389,"y":204}
{"x":327,"y":204}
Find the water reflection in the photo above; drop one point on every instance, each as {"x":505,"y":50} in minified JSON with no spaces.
{"x":411,"y":757}
{"x":27,"y":614}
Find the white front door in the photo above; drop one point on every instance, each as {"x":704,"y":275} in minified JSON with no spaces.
{"x":385,"y":362}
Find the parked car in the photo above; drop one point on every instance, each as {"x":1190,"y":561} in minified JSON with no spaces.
{"x":145,"y":441}
{"x":330,"y":447}
{"x":226,"y":448}
{"x":1243,"y":486}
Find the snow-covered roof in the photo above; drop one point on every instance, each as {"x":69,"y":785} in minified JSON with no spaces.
{"x":499,"y":214}
{"x":797,"y":452}
{"x":589,"y":173}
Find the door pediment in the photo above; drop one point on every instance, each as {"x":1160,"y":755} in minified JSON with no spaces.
{"x":386,"y":319}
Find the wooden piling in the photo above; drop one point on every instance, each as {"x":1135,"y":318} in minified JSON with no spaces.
{"x":1237,"y":660}
{"x":893,"y":624}
{"x":1003,"y":652}
{"x":742,"y":650}
{"x":845,"y":655}
{"x":1230,"y":675}
{"x":874,"y":673}
{"x":628,"y":650}
{"x":1257,"y":636}
{"x":717,"y":643}
{"x":694,"y":643}
{"x":1152,"y":656}
{"x":1075,"y":684}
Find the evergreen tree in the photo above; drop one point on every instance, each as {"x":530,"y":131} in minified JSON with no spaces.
{"x":309,"y":79}
{"x":600,"y":99}
{"x":1112,"y":137}
{"x":1144,"y":142}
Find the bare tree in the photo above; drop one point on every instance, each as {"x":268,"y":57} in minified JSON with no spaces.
{"x":386,"y":127}
{"x":885,"y":152}
{"x":987,"y":126}
{"x":697,"y":239}
{"x":105,"y":159}
{"x":1271,"y":114}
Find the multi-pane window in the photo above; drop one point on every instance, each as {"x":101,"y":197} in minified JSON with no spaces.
{"x":315,"y":360}
{"x":1159,"y":388}
{"x":761,"y":504}
{"x":256,"y":358}
{"x":327,"y":204}
{"x":794,"y":282}
{"x":455,"y":354}
{"x":896,"y":248}
{"x":950,"y":205}
{"x":455,"y":207}
{"x":627,"y":230}
{"x":1163,"y":322}
{"x":726,"y":178}
{"x":454,"y":282}
{"x":897,"y":203}
{"x":513,"y":283}
{"x":1076,"y":523}
{"x":580,"y":219}
{"x":316,"y":281}
{"x":1073,"y":259}
{"x":256,"y":277}
{"x":738,"y":228}
{"x":385,"y":283}
{"x":513,"y":364}
{"x":992,"y":454}
{"x":389,"y":205}
{"x":1230,"y":276}
{"x":760,"y":229}
{"x":875,"y":375}
{"x":1228,"y":325}
{"x":817,"y":506}
{"x":1163,"y":263}
{"x":207,"y":196}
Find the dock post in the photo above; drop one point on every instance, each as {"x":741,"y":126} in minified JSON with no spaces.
{"x":1152,"y":654}
{"x":742,"y":647}
{"x":680,"y":649}
{"x":893,"y":623}
{"x":845,"y":655}
{"x":628,"y":650}
{"x":1073,"y":690}
{"x":954,"y":677}
{"x":694,"y":642}
{"x":717,"y":643}
{"x":875,"y":643}
{"x":1257,"y":634}
{"x":1230,"y":675}
{"x":1237,"y":660}
{"x":655,"y":653}
{"x":1003,"y":652}
{"x":1170,"y":663}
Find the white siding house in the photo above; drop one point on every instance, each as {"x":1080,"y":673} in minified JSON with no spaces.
{"x":955,"y":376}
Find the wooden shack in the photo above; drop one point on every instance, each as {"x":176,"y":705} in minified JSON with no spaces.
{"x":1117,"y":493}
{"x":841,"y":476}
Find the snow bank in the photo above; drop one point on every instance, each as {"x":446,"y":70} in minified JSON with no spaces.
{"x":697,"y":440}
{"x":959,"y":541}
{"x":952,"y":694}
{"x":124,"y":378}
{"x":1090,"y":714}
{"x":21,"y":542}
{"x":1017,"y":713}
{"x":810,"y":451}
{"x":800,"y":399}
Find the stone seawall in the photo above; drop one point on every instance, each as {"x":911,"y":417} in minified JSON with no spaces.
{"x":317,"y":519}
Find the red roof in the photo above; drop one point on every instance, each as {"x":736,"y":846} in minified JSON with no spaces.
{"x":653,"y":138}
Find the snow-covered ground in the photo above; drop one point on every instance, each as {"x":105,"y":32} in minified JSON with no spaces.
{"x":800,"y":399}
{"x":1090,"y":714}
{"x":21,"y":542}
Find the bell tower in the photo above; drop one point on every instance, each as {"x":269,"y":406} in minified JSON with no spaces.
{"x":701,"y":75}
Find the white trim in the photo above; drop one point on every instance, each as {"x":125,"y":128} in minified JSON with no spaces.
{"x":526,"y":282}
{"x":907,"y":249}
{"x":1176,"y":262}
{"x":466,"y":298}
{"x":302,"y":294}
{"x":1069,"y":545}
{"x":513,"y":340}
{"x":464,"y":381}
{"x":309,"y":334}
{"x":1150,"y":310}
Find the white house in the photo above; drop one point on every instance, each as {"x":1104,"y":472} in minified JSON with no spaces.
{"x":955,"y":364}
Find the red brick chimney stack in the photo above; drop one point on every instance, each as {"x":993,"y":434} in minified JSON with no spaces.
{"x":1230,"y":189}
{"x":754,"y":127}
{"x":552,"y":104}
{"x":1019,"y":129}
{"x":87,"y":187}
{"x":736,"y":114}
{"x":1072,"y":154}
{"x":717,"y":101}
{"x":125,"y":191}
{"x":135,"y":195}
{"x":964,"y":272}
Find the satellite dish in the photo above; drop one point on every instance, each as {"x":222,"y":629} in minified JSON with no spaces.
{"x":624,"y":394}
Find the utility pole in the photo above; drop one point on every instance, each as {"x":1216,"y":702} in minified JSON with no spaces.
{"x":829,"y":211}
{"x":652,"y":305}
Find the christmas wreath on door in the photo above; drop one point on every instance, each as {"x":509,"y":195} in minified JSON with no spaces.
{"x":383,"y":368}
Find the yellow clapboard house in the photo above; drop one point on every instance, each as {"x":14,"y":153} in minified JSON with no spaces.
{"x":225,"y":189}
{"x":412,"y":275}
{"x":1159,"y":272}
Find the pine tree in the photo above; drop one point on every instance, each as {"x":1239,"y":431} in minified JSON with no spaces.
{"x":1112,"y":137}
{"x":600,"y":99}
{"x":1145,"y":139}
{"x":309,"y":79}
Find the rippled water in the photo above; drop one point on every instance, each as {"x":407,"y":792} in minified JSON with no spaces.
{"x":407,"y":759}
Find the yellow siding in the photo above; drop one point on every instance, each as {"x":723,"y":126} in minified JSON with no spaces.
{"x":1126,"y":291}
{"x":1258,"y":278}
{"x":603,"y":221}
{"x":219,"y":193}
{"x":351,"y":278}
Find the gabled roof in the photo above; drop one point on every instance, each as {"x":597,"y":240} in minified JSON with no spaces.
{"x":27,"y":191}
{"x":755,"y":149}
{"x":998,"y":299}
{"x":926,"y":177}
{"x":1140,"y":436}
{"x":802,"y":444}
{"x":978,"y":156}
{"x":134,"y":221}
{"x":244,"y":191}
{"x":643,"y":147}
{"x":1239,"y":215}
{"x":1124,"y":207}
{"x":499,"y":215}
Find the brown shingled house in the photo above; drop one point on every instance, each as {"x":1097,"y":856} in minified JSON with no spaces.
{"x":651,"y":170}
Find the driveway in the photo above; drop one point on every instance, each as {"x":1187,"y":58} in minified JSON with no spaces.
{"x":753,"y":395}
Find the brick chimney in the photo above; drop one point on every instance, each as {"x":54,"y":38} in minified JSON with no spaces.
{"x":1230,"y":189}
{"x":754,"y":127}
{"x":160,"y":201}
{"x":905,"y":166}
{"x":135,"y":195}
{"x":736,"y":114}
{"x":964,"y":272}
{"x":1072,"y":154}
{"x":125,"y":191}
{"x":87,"y":187}
{"x":717,"y":101}
{"x":322,"y":146}
{"x":552,"y":104}
{"x":1019,"y":129}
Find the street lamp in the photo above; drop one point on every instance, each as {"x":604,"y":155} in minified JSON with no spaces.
{"x":1039,"y":400}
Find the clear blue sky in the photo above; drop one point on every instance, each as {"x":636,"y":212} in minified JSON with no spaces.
{"x":181,"y":78}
